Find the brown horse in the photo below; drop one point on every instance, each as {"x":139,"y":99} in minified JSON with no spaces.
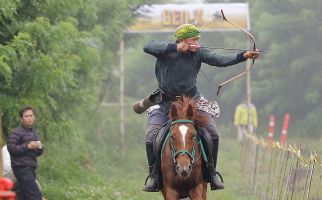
{"x":181,"y":162}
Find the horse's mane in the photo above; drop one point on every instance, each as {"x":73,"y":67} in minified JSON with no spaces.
{"x":185,"y":108}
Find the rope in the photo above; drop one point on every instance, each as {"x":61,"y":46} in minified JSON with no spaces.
{"x":293,"y":149}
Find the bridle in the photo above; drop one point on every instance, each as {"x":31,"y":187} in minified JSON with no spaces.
{"x":196,"y":141}
{"x":174,"y":152}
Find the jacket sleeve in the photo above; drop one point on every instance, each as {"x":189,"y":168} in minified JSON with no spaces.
{"x":212,"y":58}
{"x":237,"y":116}
{"x":158,"y":49}
{"x":255,"y":119}
{"x":14,"y":147}
{"x":39,"y":151}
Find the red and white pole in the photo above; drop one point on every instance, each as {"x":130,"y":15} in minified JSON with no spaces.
{"x":285,"y":128}
{"x":271,"y":128}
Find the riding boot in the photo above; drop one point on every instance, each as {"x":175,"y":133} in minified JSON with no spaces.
{"x":215,"y":183}
{"x":153,"y":184}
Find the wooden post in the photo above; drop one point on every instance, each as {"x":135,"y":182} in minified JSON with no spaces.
{"x":248,"y":89}
{"x":256,"y":151}
{"x":295,"y":175}
{"x":122,"y":132}
{"x":1,"y":135}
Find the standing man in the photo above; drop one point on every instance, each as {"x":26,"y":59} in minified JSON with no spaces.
{"x":245,"y":119}
{"x":177,"y":66}
{"x":24,"y":147}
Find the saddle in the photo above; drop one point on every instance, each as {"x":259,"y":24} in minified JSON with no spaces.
{"x":206,"y":141}
{"x":160,"y":139}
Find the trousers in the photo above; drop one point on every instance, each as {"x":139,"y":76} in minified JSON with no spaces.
{"x":28,"y":188}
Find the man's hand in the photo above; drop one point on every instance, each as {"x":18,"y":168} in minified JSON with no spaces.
{"x":34,"y":145}
{"x":182,"y":47}
{"x":251,"y":54}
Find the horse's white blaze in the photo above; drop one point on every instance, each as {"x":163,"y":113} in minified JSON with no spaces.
{"x":183,"y":130}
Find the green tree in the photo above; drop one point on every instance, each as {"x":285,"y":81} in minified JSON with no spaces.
{"x":288,"y":78}
{"x":45,"y":63}
{"x":55,"y":56}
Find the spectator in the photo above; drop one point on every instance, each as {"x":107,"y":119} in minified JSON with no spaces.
{"x":245,"y":118}
{"x":7,"y":171}
{"x":24,"y":147}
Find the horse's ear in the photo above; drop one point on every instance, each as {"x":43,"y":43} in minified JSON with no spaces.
{"x":173,"y":112}
{"x":190,"y":112}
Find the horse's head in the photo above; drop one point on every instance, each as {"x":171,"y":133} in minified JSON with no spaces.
{"x":183,"y":135}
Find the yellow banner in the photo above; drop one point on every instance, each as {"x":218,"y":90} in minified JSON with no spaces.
{"x":207,"y":17}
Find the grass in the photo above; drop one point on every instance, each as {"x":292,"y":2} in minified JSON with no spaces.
{"x":95,"y":168}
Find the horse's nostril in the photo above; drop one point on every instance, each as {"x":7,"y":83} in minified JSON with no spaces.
{"x":177,"y":168}
{"x":187,"y":169}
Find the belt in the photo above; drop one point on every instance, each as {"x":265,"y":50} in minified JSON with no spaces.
{"x":190,"y":93}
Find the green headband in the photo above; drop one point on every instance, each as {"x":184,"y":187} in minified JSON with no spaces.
{"x":186,"y":31}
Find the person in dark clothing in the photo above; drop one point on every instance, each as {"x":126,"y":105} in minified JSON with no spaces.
{"x":177,"y":66}
{"x":24,"y":147}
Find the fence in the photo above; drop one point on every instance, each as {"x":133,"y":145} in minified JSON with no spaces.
{"x":280,"y":171}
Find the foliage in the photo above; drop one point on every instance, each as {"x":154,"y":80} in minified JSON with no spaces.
{"x":54,"y":56}
{"x":290,"y":72}
{"x":47,"y":64}
{"x":61,"y":57}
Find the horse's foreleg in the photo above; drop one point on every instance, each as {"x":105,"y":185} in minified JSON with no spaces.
{"x":170,"y":194}
{"x":198,"y":193}
{"x":204,"y":195}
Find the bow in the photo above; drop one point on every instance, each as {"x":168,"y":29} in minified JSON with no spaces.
{"x":254,"y":48}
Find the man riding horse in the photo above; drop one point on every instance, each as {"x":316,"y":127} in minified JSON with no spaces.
{"x":177,"y":66}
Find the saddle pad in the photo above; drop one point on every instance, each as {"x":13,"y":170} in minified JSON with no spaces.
{"x":159,"y":139}
{"x":211,"y":107}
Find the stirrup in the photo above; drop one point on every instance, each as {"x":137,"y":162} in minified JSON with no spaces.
{"x":215,"y":183}
{"x":151,"y":188}
{"x":222,"y":180}
{"x":147,"y":178}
